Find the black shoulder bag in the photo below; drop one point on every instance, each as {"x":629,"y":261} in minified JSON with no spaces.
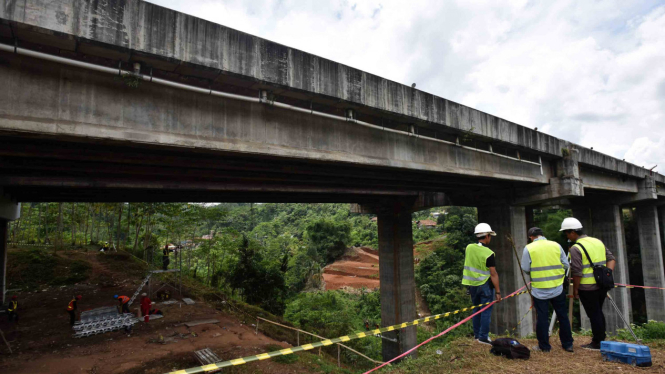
{"x":604,"y":276}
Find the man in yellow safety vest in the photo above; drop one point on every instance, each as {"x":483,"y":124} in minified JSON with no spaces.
{"x":479,"y":269}
{"x":585,"y":289}
{"x":546,"y":263}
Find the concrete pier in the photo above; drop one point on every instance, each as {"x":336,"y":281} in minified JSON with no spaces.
{"x":396,"y":271}
{"x":508,"y":220}
{"x":4,"y":231}
{"x":652,"y":260}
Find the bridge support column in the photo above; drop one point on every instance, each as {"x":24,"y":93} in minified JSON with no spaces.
{"x":511,"y":220}
{"x":9,"y":211}
{"x":652,"y":260}
{"x":4,"y":230}
{"x":608,"y":227}
{"x":396,"y":273}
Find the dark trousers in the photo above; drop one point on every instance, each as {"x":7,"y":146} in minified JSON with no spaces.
{"x":593,"y":305}
{"x":481,"y":322}
{"x":542,"y":324}
{"x":13,"y":316}
{"x":125,"y":307}
{"x":165,"y":262}
{"x":72,"y":317}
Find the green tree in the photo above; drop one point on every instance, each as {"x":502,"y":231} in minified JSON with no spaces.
{"x":328,"y":238}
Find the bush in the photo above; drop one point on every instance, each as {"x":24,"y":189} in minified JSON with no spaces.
{"x":328,"y":238}
{"x":651,"y":330}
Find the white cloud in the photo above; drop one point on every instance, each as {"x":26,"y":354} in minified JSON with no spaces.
{"x":588,"y":72}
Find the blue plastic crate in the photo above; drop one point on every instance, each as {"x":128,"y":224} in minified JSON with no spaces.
{"x":631,"y":354}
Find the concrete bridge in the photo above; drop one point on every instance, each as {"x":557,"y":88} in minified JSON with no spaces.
{"x":124,"y":100}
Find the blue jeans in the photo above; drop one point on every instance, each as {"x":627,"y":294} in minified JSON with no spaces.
{"x":481,"y":322}
{"x":542,"y":325}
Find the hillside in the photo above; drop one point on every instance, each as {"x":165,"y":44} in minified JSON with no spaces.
{"x":43,"y":342}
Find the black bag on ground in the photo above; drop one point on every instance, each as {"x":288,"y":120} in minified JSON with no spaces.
{"x":510,"y":348}
{"x":603,"y":275}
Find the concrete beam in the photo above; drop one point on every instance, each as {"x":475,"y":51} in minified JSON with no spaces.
{"x":424,"y":200}
{"x":558,"y":191}
{"x":508,"y":220}
{"x":653,"y":270}
{"x":647,"y":192}
{"x":9,"y":210}
{"x":566,"y":184}
{"x":171,"y":40}
{"x":396,"y":274}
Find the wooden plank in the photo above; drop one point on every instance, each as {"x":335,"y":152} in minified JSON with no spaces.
{"x":201,"y":322}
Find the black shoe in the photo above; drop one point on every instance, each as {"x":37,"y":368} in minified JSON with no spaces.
{"x":484,"y":341}
{"x":592,"y":346}
{"x":536,"y":348}
{"x":569,"y":349}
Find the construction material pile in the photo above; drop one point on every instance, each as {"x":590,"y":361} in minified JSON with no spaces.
{"x":102,"y":320}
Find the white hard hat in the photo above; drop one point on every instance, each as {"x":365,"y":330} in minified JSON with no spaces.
{"x":570,"y":223}
{"x":483,"y":229}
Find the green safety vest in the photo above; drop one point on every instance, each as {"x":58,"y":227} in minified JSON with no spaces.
{"x":596,"y":250}
{"x":476,"y":273}
{"x":546,"y":267}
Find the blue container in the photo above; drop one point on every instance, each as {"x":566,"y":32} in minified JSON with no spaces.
{"x":632,"y":354}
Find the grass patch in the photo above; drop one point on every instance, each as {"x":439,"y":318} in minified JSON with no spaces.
{"x":286,"y":359}
{"x":33,"y":268}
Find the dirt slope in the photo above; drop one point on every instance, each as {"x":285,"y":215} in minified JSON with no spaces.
{"x":43,"y":343}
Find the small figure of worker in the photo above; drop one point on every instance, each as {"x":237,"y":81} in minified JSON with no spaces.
{"x":72,"y":307}
{"x":146,"y":303}
{"x":482,"y":279}
{"x":585,"y":288}
{"x":12,"y":309}
{"x":546,"y":263}
{"x":105,"y":247}
{"x":165,"y":257}
{"x":123,"y":302}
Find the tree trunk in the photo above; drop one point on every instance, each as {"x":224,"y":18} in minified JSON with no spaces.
{"x":129,"y":216}
{"x":59,"y":239}
{"x":73,"y":222}
{"x":138,"y":233}
{"x":87,"y":225}
{"x":118,"y":231}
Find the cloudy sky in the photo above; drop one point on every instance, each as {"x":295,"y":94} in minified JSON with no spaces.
{"x":592,"y":72}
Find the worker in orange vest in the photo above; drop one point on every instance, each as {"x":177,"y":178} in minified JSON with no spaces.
{"x":71,"y":309}
{"x":124,"y":303}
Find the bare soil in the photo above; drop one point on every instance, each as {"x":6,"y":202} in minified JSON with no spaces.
{"x":42,"y":341}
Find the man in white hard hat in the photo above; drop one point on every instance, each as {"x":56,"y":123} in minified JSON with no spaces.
{"x":585,"y":289}
{"x":479,"y":269}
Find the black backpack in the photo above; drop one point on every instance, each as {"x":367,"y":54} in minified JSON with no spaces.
{"x":510,"y":348}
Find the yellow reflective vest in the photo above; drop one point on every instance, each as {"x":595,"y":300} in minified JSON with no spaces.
{"x":546,"y":268}
{"x":476,"y":272}
{"x":12,"y":306}
{"x":596,"y":250}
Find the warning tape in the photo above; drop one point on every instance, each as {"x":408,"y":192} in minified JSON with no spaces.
{"x":327,"y":342}
{"x":617,"y":285}
{"x":460,"y":323}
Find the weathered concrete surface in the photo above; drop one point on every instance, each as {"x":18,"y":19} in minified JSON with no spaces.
{"x":56,"y":100}
{"x":508,"y":220}
{"x":653,"y":271}
{"x":9,"y":210}
{"x":608,"y":227}
{"x":396,"y":273}
{"x":166,"y":39}
{"x":4,"y":232}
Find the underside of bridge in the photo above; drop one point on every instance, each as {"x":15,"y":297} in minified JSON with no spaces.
{"x":72,"y":130}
